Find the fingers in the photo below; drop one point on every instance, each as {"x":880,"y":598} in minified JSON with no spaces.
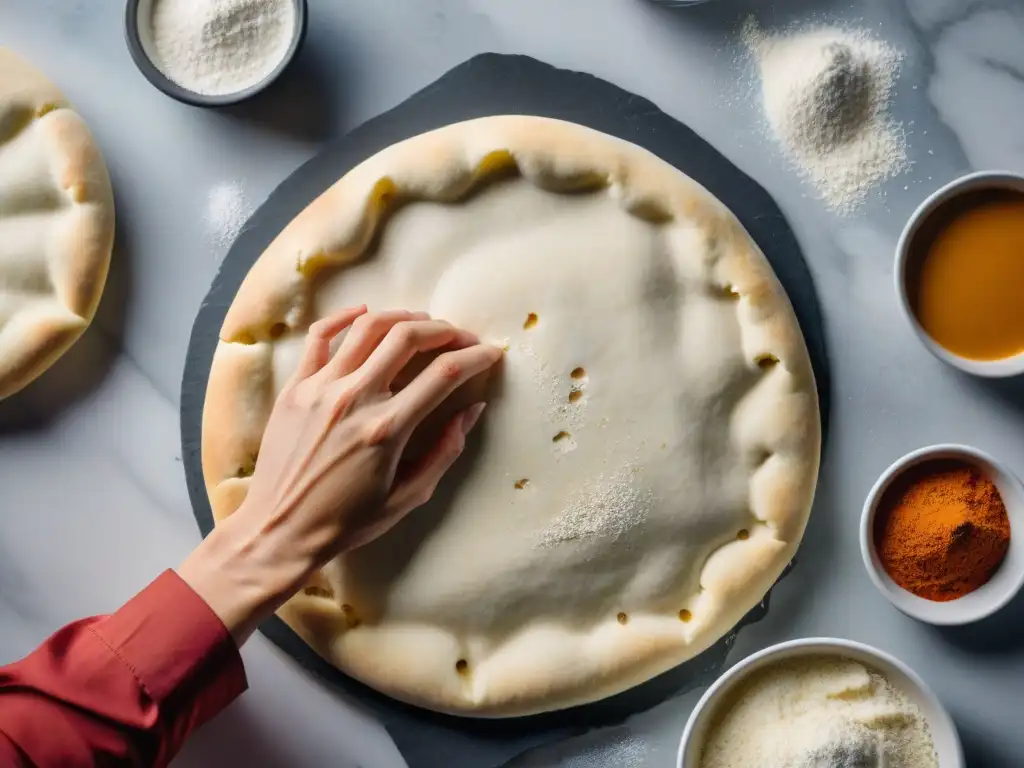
{"x":405,"y":340}
{"x":419,"y":486}
{"x":443,"y":376}
{"x":366,"y":333}
{"x":319,"y":338}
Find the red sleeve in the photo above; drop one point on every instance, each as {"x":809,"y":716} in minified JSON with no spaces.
{"x":120,"y":690}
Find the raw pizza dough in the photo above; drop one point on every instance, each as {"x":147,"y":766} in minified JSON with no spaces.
{"x":646,"y":464}
{"x":56,"y":224}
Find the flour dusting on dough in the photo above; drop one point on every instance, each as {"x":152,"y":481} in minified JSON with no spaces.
{"x":560,"y":412}
{"x":608,"y":507}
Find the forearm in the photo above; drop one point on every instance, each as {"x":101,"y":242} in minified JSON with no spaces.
{"x":245,"y":573}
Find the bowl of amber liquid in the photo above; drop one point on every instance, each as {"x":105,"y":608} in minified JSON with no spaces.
{"x":960,"y":273}
{"x":937,"y":534}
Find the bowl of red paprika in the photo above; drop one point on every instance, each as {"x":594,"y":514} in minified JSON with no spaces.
{"x":936,"y":534}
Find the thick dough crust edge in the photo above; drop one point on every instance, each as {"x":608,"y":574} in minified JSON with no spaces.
{"x":84,"y":239}
{"x":541,"y":668}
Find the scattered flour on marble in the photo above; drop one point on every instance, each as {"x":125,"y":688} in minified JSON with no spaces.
{"x":625,"y":751}
{"x":607,"y":507}
{"x":227,"y":209}
{"x":826,"y":93}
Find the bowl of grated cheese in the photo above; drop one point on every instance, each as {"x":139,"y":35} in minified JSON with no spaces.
{"x":217,"y":52}
{"x":820,"y":702}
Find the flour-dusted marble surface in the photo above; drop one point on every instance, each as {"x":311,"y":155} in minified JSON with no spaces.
{"x":92,"y":496}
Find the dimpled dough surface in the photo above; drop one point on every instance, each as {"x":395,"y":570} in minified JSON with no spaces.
{"x":647,"y":461}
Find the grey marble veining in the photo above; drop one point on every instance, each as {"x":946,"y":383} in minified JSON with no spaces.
{"x":91,"y":485}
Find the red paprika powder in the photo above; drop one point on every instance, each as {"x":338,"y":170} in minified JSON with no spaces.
{"x":941,"y":529}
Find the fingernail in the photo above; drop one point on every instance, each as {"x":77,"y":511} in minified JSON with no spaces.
{"x":471,"y":417}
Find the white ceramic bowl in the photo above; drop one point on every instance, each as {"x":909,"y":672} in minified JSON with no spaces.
{"x":943,"y":731}
{"x":990,"y":596}
{"x":974,"y":182}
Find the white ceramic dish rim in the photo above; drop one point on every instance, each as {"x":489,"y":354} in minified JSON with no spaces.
{"x":940,"y":723}
{"x":972,"y":182}
{"x":988,"y":598}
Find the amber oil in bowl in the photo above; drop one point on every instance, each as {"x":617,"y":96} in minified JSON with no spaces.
{"x":960,"y":273}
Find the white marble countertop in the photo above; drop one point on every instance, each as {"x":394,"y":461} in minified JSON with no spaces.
{"x":91,"y":483}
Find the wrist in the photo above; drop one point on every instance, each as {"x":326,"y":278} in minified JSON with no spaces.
{"x":237,"y":573}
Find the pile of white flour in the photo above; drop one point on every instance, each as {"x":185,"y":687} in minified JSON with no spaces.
{"x":826,"y":94}
{"x":818,"y":712}
{"x":216,"y":47}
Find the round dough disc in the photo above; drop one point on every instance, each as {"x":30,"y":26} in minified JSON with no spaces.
{"x":56,"y":224}
{"x":646,"y":464}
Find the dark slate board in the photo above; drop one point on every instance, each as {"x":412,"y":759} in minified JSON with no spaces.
{"x":493,"y":84}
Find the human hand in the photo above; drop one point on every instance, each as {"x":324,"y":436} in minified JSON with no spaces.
{"x":328,"y":475}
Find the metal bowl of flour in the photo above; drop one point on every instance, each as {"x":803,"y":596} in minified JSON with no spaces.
{"x":139,"y":36}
